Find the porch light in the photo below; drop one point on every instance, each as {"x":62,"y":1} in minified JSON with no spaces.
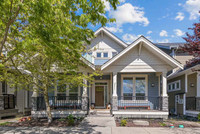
{"x":152,"y":85}
{"x":191,"y":84}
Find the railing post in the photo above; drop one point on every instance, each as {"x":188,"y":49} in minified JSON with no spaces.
{"x":164,"y":97}
{"x":34,"y":100}
{"x":1,"y":102}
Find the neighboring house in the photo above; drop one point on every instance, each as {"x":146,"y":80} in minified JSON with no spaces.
{"x":134,"y":80}
{"x":184,"y":91}
{"x":13,"y":102}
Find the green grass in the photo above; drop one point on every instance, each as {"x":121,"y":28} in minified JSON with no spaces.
{"x":5,"y":123}
{"x":163,"y":124}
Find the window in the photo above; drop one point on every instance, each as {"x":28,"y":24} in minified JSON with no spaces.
{"x":105,"y":55}
{"x":140,"y":88}
{"x":114,"y":53}
{"x":98,"y":55}
{"x":61,"y":92}
{"x":134,"y":87}
{"x":4,"y":87}
{"x":128,"y":88}
{"x":73,"y":93}
{"x":90,"y":53}
{"x":174,"y":86}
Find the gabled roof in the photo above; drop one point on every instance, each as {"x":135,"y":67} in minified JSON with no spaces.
{"x":88,"y":63}
{"x":103,"y":29}
{"x":169,"y":45}
{"x":151,"y":45}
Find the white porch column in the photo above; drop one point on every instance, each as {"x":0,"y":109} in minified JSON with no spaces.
{"x":164,"y":97}
{"x":114,"y":84}
{"x":34,"y":96}
{"x":85,"y":99}
{"x":198,"y":92}
{"x":198,"y":84}
{"x":85,"y":87}
{"x":114,"y":95}
{"x":164,"y":84}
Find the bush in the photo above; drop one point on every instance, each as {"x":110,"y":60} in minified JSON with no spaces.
{"x":70,"y":119}
{"x":123,"y":122}
{"x":163,"y":124}
{"x":198,"y":116}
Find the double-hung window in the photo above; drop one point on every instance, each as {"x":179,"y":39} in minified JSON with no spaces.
{"x":73,"y":92}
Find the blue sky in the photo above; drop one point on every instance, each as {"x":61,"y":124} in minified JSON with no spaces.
{"x":159,"y":20}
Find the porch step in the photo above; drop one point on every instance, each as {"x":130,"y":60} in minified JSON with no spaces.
{"x":100,"y":113}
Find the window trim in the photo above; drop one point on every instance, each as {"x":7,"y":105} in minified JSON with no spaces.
{"x":100,"y":54}
{"x":171,"y":85}
{"x":134,"y":76}
{"x":67,"y":91}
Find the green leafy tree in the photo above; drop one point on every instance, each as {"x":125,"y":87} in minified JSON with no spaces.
{"x":45,"y":40}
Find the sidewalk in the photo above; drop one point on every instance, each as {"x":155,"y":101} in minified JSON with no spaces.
{"x":98,"y":130}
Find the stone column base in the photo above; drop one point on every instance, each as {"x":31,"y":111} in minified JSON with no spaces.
{"x":1,"y":102}
{"x":34,"y":104}
{"x":114,"y":103}
{"x":85,"y":103}
{"x":164,"y":103}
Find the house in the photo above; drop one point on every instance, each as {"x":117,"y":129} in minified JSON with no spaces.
{"x":134,"y":80}
{"x":184,"y":91}
{"x":13,"y":102}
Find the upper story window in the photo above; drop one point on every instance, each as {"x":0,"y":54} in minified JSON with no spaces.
{"x":105,"y":55}
{"x":98,"y":55}
{"x":174,"y":86}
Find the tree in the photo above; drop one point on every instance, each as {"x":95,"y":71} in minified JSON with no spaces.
{"x":45,"y":41}
{"x":193,"y":44}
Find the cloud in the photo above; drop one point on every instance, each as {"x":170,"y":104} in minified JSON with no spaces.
{"x":163,"y":33}
{"x":192,"y":7}
{"x":180,"y":16}
{"x":162,"y":41}
{"x":178,"y":32}
{"x":114,"y":29}
{"x":127,"y":13}
{"x":149,"y":32}
{"x":107,"y":5}
{"x":128,"y":38}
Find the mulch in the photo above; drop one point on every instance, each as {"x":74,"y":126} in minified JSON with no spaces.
{"x":159,"y":123}
{"x":42,"y":123}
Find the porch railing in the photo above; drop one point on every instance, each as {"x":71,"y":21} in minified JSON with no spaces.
{"x":138,"y":103}
{"x":9,"y":101}
{"x":60,"y":103}
{"x":191,"y":103}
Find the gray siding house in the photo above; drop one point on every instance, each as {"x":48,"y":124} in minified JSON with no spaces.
{"x":133,"y":84}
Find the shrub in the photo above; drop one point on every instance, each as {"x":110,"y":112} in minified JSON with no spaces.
{"x":163,"y":124}
{"x":198,"y":116}
{"x":61,"y":119}
{"x":123,"y":122}
{"x":70,"y":119}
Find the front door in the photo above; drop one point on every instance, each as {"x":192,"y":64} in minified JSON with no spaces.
{"x":99,"y":96}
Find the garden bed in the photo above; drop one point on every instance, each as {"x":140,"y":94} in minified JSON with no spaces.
{"x":156,"y":123}
{"x":30,"y":122}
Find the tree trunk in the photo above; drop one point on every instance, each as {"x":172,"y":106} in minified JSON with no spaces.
{"x":48,"y":109}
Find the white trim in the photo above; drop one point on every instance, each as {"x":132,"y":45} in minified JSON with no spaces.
{"x":192,"y":113}
{"x":186,"y":82}
{"x":140,"y":113}
{"x":198,"y":84}
{"x":134,"y":76}
{"x":123,"y":44}
{"x":188,"y":71}
{"x":102,"y":81}
{"x":151,"y":45}
{"x":174,"y":82}
{"x":184,"y":103}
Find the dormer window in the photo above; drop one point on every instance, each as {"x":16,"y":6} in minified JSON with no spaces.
{"x":98,"y":55}
{"x":105,"y":55}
